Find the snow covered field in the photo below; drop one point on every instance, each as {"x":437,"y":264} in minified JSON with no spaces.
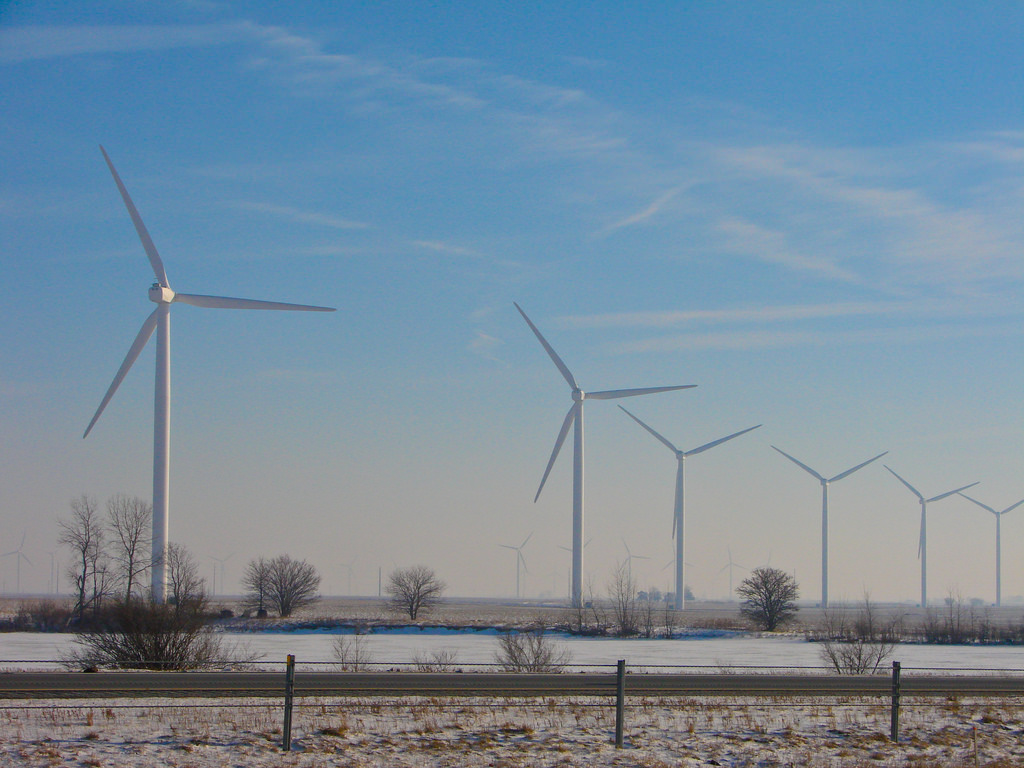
{"x":200,"y":733}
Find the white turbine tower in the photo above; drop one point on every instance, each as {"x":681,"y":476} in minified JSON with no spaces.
{"x":520,"y":560}
{"x":161,"y":294}
{"x":18,"y":557}
{"x":575,"y":415}
{"x":678,"y":516}
{"x":922,"y":542}
{"x":999,"y":542}
{"x":824,"y":512}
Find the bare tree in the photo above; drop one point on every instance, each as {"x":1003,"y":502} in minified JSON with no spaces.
{"x":768,"y":597}
{"x":256,"y":582}
{"x":622,"y":590}
{"x":530,"y":651}
{"x":414,"y":589}
{"x":183,"y":578}
{"x":83,"y":535}
{"x":861,"y":645}
{"x":130,"y":523}
{"x":293,"y":584}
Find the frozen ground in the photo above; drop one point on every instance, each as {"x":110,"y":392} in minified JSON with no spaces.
{"x":513,"y":732}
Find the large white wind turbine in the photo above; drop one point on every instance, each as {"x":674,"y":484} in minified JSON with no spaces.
{"x":824,"y":512}
{"x":999,"y":542}
{"x":922,"y":542}
{"x":161,"y":294}
{"x":678,"y":518}
{"x":520,"y":560}
{"x":575,"y":415}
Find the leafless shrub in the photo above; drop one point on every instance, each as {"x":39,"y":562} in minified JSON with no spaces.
{"x":439,"y":661}
{"x":352,"y":652}
{"x":860,"y":645}
{"x":530,"y":651}
{"x":622,"y":590}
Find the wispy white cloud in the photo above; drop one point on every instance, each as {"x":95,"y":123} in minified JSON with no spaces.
{"x":18,"y":44}
{"x":300,"y":216}
{"x":448,"y":249}
{"x":659,"y":203}
{"x":748,"y":340}
{"x":760,"y":315}
{"x":484,"y":345}
{"x":749,"y":239}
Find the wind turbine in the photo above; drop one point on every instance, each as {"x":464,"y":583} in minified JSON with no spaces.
{"x":520,"y":560}
{"x":999,"y":543}
{"x":575,"y":415}
{"x":19,"y":556}
{"x":825,"y":481}
{"x":161,"y":294}
{"x":221,"y":560}
{"x":730,"y":565}
{"x":630,"y":557}
{"x":680,"y":500}
{"x":922,"y":542}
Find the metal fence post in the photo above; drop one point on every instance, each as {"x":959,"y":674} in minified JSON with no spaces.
{"x":289,"y":693}
{"x":894,"y":714}
{"x":620,"y":701}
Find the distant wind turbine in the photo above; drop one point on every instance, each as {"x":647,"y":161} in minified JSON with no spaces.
{"x":730,"y":565}
{"x":999,"y":543}
{"x":160,"y":320}
{"x":922,"y":542}
{"x":520,"y":560}
{"x":825,"y":481}
{"x":678,"y":516}
{"x":630,"y":557}
{"x":19,"y":556}
{"x":575,"y":415}
{"x":221,"y":560}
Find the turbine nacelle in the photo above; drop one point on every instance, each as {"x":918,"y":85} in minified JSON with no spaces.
{"x":160,"y":294}
{"x":578,"y":395}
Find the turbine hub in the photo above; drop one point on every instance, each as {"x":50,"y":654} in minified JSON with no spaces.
{"x":578,"y":395}
{"x":160,"y":294}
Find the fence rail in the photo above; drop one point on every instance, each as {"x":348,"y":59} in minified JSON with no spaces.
{"x":779,"y":684}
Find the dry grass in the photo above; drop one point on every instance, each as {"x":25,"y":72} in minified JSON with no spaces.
{"x":685,"y":731}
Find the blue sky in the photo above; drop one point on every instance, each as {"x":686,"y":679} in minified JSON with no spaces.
{"x":812,"y":211}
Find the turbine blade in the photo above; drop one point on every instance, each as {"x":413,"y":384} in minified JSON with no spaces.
{"x":986,"y":506}
{"x":523,"y":561}
{"x":950,"y":493}
{"x":566,"y":373}
{"x":147,"y":242}
{"x":1012,"y":507}
{"x":651,"y":430}
{"x":569,"y":418}
{"x":133,"y":352}
{"x":800,"y":464}
{"x":913,"y":490}
{"x":720,"y":440}
{"x":612,"y":394}
{"x":526,"y":540}
{"x":24,"y":557}
{"x":226,"y":302}
{"x":841,"y":475}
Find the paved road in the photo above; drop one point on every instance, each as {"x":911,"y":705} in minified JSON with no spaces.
{"x":238,"y":684}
